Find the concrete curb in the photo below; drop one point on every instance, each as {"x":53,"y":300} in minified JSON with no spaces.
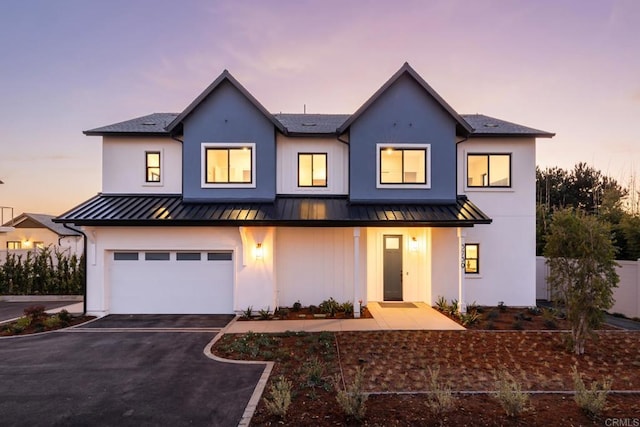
{"x":36,"y":298}
{"x":260,"y":386}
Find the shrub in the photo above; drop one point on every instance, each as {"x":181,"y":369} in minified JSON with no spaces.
{"x":65,"y":317}
{"x":440,"y":399}
{"x":247,"y":313}
{"x":549,"y":319}
{"x":469,"y":318}
{"x":353,"y":399}
{"x":441,"y":304}
{"x":591,"y":400}
{"x":52,"y":322}
{"x":313,"y":371}
{"x":264,"y":313}
{"x":21,"y":324}
{"x":279,"y":398}
{"x":35,"y":312}
{"x":347,"y":307}
{"x":501,"y":306}
{"x":297,"y":306}
{"x":473,"y":307}
{"x":493,"y":314}
{"x":329,"y":306}
{"x":510,"y":395}
{"x":534,"y":311}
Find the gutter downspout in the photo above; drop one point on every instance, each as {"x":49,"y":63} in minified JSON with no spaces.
{"x":84,"y":266}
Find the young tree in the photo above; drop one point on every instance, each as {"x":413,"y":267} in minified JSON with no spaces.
{"x":582,"y":276}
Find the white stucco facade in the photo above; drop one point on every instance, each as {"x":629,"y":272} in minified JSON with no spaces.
{"x":124,"y":163}
{"x":508,"y":244}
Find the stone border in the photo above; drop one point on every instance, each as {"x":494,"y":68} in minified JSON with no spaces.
{"x":262,"y":382}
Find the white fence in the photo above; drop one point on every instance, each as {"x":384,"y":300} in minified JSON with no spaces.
{"x":626,"y":295}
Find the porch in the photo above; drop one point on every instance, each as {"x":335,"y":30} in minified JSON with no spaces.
{"x":386,"y":316}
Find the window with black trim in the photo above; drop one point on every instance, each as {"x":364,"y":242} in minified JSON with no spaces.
{"x":229,"y":165}
{"x":472,"y":258}
{"x":489,"y":170}
{"x":152,"y":159}
{"x":312,"y":169}
{"x":14,"y":244}
{"x":156,"y":256}
{"x":403,"y":165}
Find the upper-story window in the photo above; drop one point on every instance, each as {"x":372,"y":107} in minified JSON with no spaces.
{"x":312,"y":169}
{"x":152,"y":166}
{"x":228,"y":165}
{"x":489,"y":170}
{"x":404,"y":165}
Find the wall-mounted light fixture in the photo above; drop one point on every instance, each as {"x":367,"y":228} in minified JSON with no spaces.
{"x":413,"y":244}
{"x":259,"y":251}
{"x":26,"y":244}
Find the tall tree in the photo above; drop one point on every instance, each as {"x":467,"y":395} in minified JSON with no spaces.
{"x":582,"y":275}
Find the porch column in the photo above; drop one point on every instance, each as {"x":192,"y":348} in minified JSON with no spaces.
{"x":356,"y":272}
{"x":462,"y":306}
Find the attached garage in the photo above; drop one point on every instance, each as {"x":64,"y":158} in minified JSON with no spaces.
{"x":170,"y":282}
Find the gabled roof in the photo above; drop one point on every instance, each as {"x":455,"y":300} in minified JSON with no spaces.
{"x":176,"y":125}
{"x":152,"y":124}
{"x":462,"y":125}
{"x":336,"y":211}
{"x":305,"y":124}
{"x":490,"y":126}
{"x":32,"y":220}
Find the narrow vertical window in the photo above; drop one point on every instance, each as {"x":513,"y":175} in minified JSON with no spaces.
{"x":472,"y":258}
{"x":312,"y":169}
{"x":153,"y":166}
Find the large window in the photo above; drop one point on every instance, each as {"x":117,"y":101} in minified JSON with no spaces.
{"x":472,"y":258}
{"x":228,"y":164}
{"x":403,"y":165}
{"x":312,"y":169}
{"x":488,"y":170}
{"x":152,"y":166}
{"x":14,"y":244}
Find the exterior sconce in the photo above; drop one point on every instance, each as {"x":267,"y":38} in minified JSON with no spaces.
{"x":26,"y":244}
{"x":413,"y":244}
{"x":259,"y":251}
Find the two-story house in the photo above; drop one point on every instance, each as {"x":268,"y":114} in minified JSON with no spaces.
{"x":226,"y":206}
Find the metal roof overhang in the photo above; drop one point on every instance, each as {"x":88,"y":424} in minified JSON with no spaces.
{"x":171,"y":210}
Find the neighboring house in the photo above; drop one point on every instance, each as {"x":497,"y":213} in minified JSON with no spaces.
{"x":226,"y":206}
{"x":30,"y":231}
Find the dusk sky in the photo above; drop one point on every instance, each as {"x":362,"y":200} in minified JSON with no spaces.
{"x":566,"y":66}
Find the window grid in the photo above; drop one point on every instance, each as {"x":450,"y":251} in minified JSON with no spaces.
{"x":152,"y":160}
{"x":472,"y":258}
{"x":490,"y":177}
{"x":227,"y":177}
{"x":311,"y":158}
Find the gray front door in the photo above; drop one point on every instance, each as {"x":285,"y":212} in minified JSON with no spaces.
{"x":392,"y":267}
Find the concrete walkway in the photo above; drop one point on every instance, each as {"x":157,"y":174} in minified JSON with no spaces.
{"x":420,"y":317}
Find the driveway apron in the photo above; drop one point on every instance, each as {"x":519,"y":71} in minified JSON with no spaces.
{"x":94,"y":376}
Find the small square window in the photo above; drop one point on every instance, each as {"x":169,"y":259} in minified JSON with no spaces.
{"x":489,"y":170}
{"x":312,"y":169}
{"x":472,"y":258}
{"x":152,"y":166}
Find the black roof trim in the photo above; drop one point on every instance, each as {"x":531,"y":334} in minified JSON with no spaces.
{"x":462,"y":125}
{"x":225,"y":76}
{"x":171,"y":210}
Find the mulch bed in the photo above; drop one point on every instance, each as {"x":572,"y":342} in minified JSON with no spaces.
{"x":396,"y":366}
{"x":6,"y":329}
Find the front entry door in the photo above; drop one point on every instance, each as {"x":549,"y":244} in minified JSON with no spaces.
{"x":392,"y":267}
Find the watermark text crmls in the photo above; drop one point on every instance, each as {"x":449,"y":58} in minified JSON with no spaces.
{"x":622,"y":422}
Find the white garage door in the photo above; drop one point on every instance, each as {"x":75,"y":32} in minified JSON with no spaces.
{"x":171,"y":282}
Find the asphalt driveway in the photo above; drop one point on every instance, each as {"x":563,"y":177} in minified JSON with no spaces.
{"x":132,"y":378}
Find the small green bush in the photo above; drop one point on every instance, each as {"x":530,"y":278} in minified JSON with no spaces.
{"x":65,"y":317}
{"x":248,"y":312}
{"x":279,"y":398}
{"x":52,"y":322}
{"x":313,"y":371}
{"x":21,"y":324}
{"x":347,"y":307}
{"x":510,"y":395}
{"x":469,"y":318}
{"x":265,"y":314}
{"x":297,"y":306}
{"x":591,"y":400}
{"x":441,"y":304}
{"x":353,"y":399}
{"x":329,"y":306}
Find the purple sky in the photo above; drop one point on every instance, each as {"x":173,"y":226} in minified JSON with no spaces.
{"x":571,"y":67}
